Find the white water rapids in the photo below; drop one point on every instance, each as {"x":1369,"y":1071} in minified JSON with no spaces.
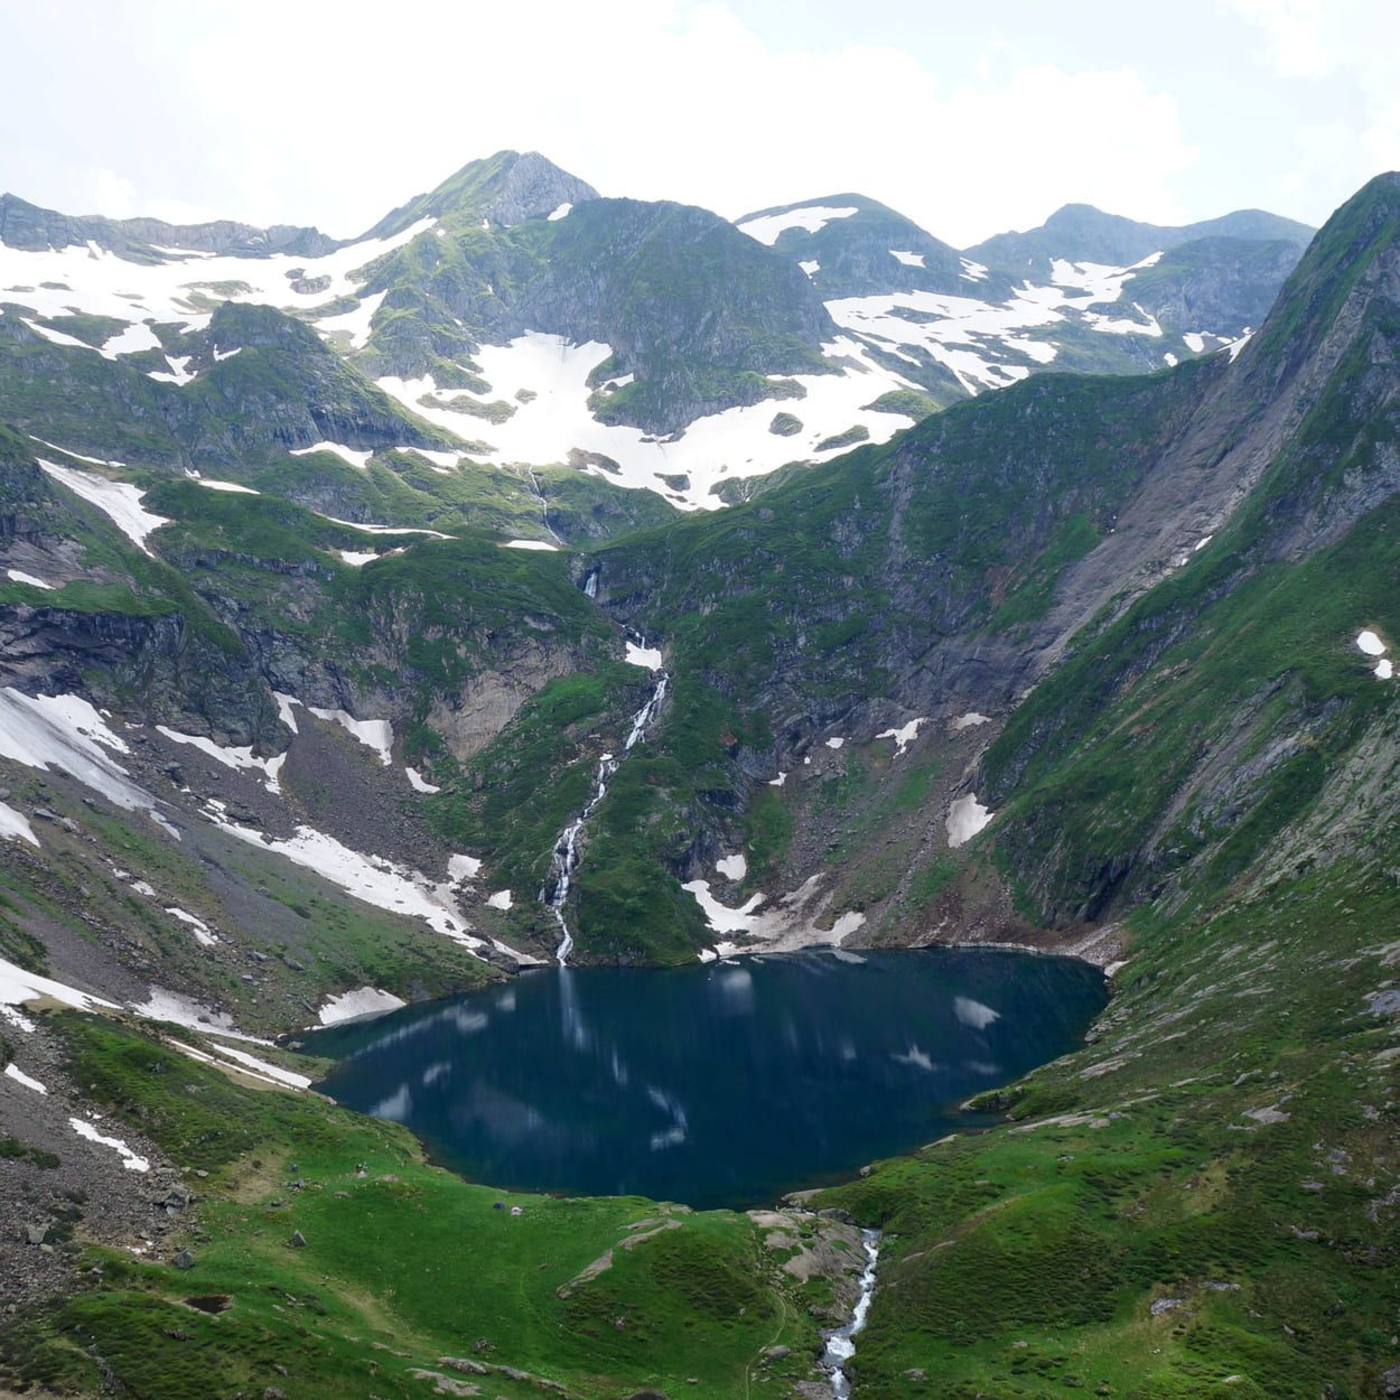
{"x":840,"y":1344}
{"x":564,"y":861}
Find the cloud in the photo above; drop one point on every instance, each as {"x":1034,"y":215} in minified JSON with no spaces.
{"x":349,"y":116}
{"x":1341,"y":57}
{"x":1293,"y":31}
{"x":113,"y":195}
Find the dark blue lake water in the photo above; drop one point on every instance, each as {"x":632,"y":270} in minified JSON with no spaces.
{"x":720,"y":1084}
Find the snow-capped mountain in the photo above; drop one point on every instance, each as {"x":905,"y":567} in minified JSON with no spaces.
{"x":1087,"y":291}
{"x":513,"y":318}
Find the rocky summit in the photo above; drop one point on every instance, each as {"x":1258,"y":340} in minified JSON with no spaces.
{"x":545,"y":580}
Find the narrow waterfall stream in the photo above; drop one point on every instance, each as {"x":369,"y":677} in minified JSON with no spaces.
{"x":840,"y":1344}
{"x":544,"y":506}
{"x":555,"y":890}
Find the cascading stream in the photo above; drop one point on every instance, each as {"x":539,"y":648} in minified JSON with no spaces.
{"x":564,"y":861}
{"x":840,"y":1344}
{"x":544,"y":506}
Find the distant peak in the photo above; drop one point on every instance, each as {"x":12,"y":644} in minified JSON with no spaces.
{"x":507,"y":188}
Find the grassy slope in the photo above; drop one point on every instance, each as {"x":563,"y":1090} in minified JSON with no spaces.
{"x":1027,"y":1263}
{"x":1219,"y":768}
{"x":402,"y":1265}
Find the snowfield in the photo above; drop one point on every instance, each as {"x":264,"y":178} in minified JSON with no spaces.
{"x":735,"y":443}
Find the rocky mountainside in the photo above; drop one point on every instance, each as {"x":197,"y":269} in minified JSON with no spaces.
{"x":26,"y":226}
{"x":1081,"y":233}
{"x":1087,"y":291}
{"x":298,"y":693}
{"x":519,"y":320}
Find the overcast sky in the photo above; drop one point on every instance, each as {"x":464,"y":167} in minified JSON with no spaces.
{"x":331,"y":113}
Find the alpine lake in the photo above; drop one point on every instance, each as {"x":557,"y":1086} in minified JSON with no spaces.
{"x":720,"y":1084}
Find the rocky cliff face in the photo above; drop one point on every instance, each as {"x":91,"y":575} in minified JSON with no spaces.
{"x":27,"y":226}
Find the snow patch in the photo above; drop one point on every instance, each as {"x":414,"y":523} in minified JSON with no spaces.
{"x":64,"y":732}
{"x":381,"y":529}
{"x":19,"y":576}
{"x":734,"y":443}
{"x":562,"y":212}
{"x":202,"y":932}
{"x":647,"y":657}
{"x":373,"y":879}
{"x":14,"y":1072}
{"x":460,"y":868}
{"x":376,"y":734}
{"x":284,"y":709}
{"x":966,"y":817}
{"x":351,"y":1006}
{"x":811,"y":218}
{"x":118,"y":500}
{"x":908,"y":259}
{"x":735,"y":866}
{"x":232,"y":486}
{"x":1235,"y":346}
{"x":905,"y":735}
{"x":164,"y":1005}
{"x":177,"y":374}
{"x":130,"y":1160}
{"x":1370,"y":643}
{"x":418,"y":782}
{"x":787,"y":923}
{"x":262,"y":1068}
{"x":14,"y":826}
{"x":235,"y":758}
{"x":354,"y":323}
{"x":97,"y":282}
{"x":346,"y":454}
{"x":968,"y":721}
{"x":543,"y":545}
{"x":130,"y":340}
{"x":500,"y":900}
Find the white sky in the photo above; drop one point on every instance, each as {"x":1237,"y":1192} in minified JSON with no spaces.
{"x":302,"y":111}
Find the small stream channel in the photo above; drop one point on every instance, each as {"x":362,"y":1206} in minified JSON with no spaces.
{"x":555,"y":891}
{"x":841,"y":1344}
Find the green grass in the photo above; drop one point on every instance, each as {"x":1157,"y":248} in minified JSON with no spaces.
{"x":1027,"y":1263}
{"x":403,"y":1265}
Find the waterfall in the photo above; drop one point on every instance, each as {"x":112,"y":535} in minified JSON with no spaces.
{"x":590,"y":584}
{"x":840,"y":1344}
{"x":565,"y":859}
{"x":544,"y":506}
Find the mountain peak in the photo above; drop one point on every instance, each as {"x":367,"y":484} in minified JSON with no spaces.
{"x":506,"y":188}
{"x":1352,"y":261}
{"x":1083,"y":233}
